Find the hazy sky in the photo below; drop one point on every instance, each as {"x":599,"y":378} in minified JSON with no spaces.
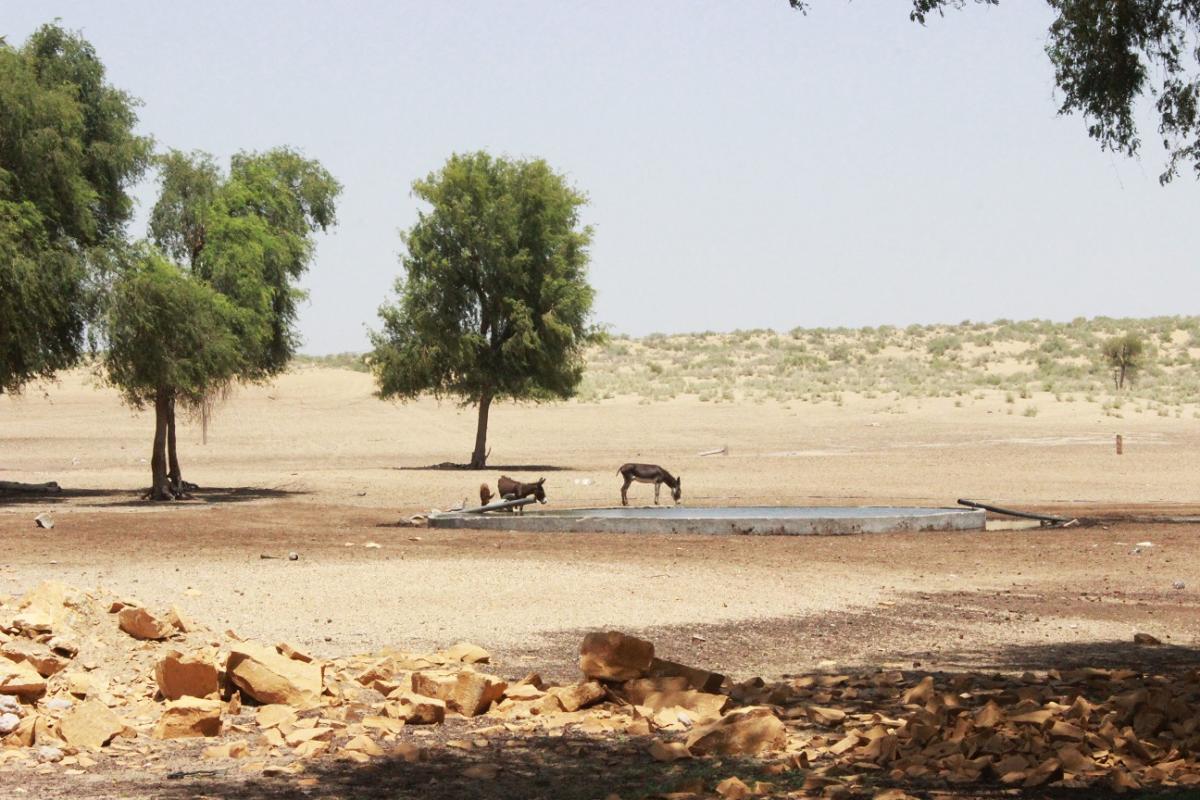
{"x":747,"y":166}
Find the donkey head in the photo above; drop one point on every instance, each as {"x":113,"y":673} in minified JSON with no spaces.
{"x":677,"y":489}
{"x":539,"y":491}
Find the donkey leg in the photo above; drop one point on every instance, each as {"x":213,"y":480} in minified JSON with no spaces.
{"x":657,"y":489}
{"x":624,"y":492}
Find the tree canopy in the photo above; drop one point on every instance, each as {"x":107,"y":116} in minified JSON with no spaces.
{"x":494,"y":302}
{"x":1107,"y":56}
{"x":217,"y":286}
{"x":68,"y":154}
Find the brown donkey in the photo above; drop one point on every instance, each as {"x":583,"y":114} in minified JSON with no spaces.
{"x":649,"y":473}
{"x":515,"y":490}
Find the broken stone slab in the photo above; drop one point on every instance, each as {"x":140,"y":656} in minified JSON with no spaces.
{"x":743,"y":731}
{"x":615,"y":656}
{"x":699,"y":679}
{"x":21,"y":679}
{"x":268,"y":677}
{"x":141,"y":624}
{"x":90,"y":724}
{"x":468,"y":653}
{"x":190,"y":717}
{"x":289,"y":650}
{"x":178,"y":675}
{"x":179,"y":621}
{"x":581,"y":695}
{"x":434,"y":683}
{"x":417,"y":709}
{"x":44,"y":521}
{"x":36,"y":654}
{"x":474,"y":693}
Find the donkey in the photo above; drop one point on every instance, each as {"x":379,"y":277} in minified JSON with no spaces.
{"x":649,"y":473}
{"x":515,"y":490}
{"x":485,"y":494}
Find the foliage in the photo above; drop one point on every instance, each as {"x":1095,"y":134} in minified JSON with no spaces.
{"x":169,"y":332}
{"x":495,"y":299}
{"x":67,"y":156}
{"x":1107,"y":55}
{"x":249,"y":236}
{"x":1124,"y":355}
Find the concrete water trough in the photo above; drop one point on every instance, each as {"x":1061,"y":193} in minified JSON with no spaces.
{"x":750,"y":520}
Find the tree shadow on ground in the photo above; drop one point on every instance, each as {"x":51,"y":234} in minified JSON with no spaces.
{"x":451,"y":467}
{"x":1072,"y":655}
{"x":571,"y":767}
{"x":124,"y":498}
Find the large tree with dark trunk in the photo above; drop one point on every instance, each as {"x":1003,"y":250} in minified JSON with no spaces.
{"x":68,"y":155}
{"x":245,"y":237}
{"x":1106,"y":55}
{"x":494,"y":302}
{"x":171,"y":338}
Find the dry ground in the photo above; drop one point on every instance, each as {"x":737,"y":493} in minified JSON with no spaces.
{"x":316,"y":465}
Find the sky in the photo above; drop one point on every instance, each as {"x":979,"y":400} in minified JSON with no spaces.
{"x":746,"y":166}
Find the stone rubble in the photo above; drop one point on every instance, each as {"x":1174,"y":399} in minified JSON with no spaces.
{"x":86,"y":677}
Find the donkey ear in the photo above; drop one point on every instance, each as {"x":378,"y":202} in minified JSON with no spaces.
{"x":541,"y":481}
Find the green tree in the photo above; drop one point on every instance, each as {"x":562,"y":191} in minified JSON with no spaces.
{"x":68,"y":155}
{"x":1107,"y":54}
{"x":1125,"y":356}
{"x":248,"y":236}
{"x":495,"y":301}
{"x":170,"y":338}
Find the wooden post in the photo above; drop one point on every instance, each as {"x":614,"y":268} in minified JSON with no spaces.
{"x":1120,"y":444}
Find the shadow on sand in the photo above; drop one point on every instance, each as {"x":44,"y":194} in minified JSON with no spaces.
{"x":123,"y":498}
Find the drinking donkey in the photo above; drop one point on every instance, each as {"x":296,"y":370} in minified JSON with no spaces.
{"x":649,"y":473}
{"x":515,"y":490}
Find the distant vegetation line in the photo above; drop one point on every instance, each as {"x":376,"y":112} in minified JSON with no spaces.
{"x":1064,"y":359}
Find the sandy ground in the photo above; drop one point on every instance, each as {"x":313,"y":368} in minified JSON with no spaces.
{"x":321,"y":468}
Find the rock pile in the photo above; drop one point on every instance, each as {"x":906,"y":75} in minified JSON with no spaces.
{"x":85,"y":677}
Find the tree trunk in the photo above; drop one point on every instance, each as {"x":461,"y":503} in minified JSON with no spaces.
{"x":159,"y":488}
{"x":1121,"y":379}
{"x":174,"y":475}
{"x":479,"y":457}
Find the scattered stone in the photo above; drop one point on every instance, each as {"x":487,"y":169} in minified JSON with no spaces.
{"x":744,"y":731}
{"x":141,"y":624}
{"x":733,"y":788}
{"x":273,"y":715}
{"x":193,"y":675}
{"x":431,"y":683}
{"x":293,"y":652}
{"x":1145,"y":638}
{"x":21,"y":679}
{"x":269,"y":677}
{"x":615,"y":656}
{"x":44,"y":521}
{"x":177,"y":620}
{"x":91,"y":724}
{"x":468,"y":653}
{"x":49,"y":754}
{"x":581,"y":695}
{"x":699,"y":679}
{"x":474,"y":693}
{"x":38,"y":655}
{"x":364,"y":744}
{"x":416,"y":709}
{"x":238,"y":749}
{"x":8,"y":723}
{"x":668,"y":751}
{"x":190,"y":717}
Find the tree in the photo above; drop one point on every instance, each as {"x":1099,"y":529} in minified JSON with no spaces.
{"x":247,"y":237}
{"x":68,"y":154}
{"x":170,"y":337}
{"x":495,"y":301}
{"x":1123,"y":354}
{"x":1107,"y":55}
